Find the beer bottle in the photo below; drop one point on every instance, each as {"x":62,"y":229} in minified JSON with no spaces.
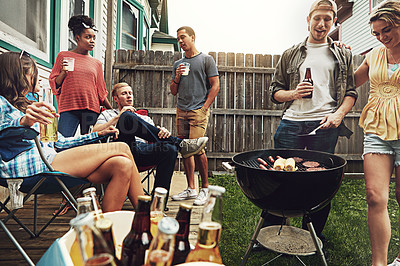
{"x":157,"y":209}
{"x":84,"y":206}
{"x":88,"y":237}
{"x":103,"y":259}
{"x":105,"y":228}
{"x":162,"y":247}
{"x":207,"y":248}
{"x":91,"y":192}
{"x":182,"y":245}
{"x":139,"y":238}
{"x":307,"y":78}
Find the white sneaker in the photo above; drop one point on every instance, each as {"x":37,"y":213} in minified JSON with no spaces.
{"x":396,"y":262}
{"x":185,"y":195}
{"x":191,"y":147}
{"x":202,"y":197}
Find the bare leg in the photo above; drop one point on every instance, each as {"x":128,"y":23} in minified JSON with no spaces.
{"x":188,"y":164}
{"x":377,"y":169}
{"x":202,"y":165}
{"x":100,"y":163}
{"x":398,"y":193}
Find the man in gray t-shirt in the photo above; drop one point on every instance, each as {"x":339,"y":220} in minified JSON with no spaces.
{"x":196,"y":82}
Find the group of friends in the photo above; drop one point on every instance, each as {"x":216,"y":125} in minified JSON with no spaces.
{"x":138,"y":142}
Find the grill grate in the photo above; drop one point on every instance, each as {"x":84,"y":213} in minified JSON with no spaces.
{"x":300,"y":167}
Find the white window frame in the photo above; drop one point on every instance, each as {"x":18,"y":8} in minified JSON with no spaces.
{"x":136,"y":12}
{"x":19,"y":40}
{"x":374,"y":3}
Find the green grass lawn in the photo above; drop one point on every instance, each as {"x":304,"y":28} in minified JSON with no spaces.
{"x":346,"y":230}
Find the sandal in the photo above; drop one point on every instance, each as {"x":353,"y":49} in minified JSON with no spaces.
{"x":64,"y":210}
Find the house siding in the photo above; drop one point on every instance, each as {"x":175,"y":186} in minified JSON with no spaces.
{"x":356,"y":30}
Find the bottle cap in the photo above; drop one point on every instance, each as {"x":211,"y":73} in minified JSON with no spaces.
{"x":83,"y":199}
{"x":88,"y":190}
{"x":168,"y":225}
{"x":103,"y":224}
{"x":82,"y":219}
{"x":161,"y":190}
{"x":186,"y":206}
{"x":218,"y":189}
{"x":144,"y":198}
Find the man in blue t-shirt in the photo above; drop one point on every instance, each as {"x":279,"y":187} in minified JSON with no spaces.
{"x":195,"y":80}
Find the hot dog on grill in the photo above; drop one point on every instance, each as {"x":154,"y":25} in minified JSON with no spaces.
{"x":271,"y":159}
{"x":262,"y":166}
{"x":261,"y":161}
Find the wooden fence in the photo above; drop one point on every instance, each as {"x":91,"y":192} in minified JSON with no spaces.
{"x":243,"y":117}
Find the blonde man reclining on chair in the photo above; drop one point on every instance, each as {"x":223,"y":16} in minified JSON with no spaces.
{"x":135,"y":129}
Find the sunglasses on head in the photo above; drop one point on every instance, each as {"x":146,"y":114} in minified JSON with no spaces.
{"x":24,"y":53}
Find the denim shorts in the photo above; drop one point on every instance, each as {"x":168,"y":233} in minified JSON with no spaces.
{"x":374,"y":144}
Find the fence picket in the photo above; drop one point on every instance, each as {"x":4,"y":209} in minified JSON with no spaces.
{"x":243,"y":116}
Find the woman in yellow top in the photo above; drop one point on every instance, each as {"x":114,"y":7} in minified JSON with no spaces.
{"x":380,"y":120}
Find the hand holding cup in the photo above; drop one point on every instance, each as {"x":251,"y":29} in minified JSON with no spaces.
{"x":68,"y":64}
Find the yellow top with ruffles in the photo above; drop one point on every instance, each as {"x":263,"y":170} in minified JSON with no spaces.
{"x":381,"y":115}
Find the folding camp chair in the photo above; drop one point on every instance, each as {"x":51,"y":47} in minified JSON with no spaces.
{"x":45,"y":183}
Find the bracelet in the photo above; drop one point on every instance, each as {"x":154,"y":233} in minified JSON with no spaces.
{"x":175,"y":82}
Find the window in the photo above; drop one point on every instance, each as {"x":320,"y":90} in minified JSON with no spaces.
{"x":146,"y":37}
{"x":76,"y":7}
{"x":26,"y":24}
{"x":129,"y":27}
{"x":376,"y":2}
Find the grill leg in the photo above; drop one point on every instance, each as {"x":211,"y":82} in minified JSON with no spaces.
{"x":253,"y":239}
{"x":314,"y":238}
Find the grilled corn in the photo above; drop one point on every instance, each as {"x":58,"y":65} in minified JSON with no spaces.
{"x":279,"y":164}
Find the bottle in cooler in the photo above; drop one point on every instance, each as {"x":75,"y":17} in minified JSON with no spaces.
{"x":182,"y":245}
{"x":161,"y":249}
{"x":84,"y":206}
{"x":207,"y":246}
{"x":157,"y":209}
{"x":138,"y":240}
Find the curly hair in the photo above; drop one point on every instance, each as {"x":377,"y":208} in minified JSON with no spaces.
{"x":13,"y":81}
{"x":388,"y":11}
{"x":79,"y":23}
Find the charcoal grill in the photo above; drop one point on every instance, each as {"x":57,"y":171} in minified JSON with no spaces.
{"x":288,"y":194}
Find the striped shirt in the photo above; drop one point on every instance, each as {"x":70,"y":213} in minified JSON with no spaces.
{"x":29,"y":163}
{"x":83,"y":88}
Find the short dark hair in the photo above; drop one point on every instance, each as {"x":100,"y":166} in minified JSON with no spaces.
{"x":188,"y":30}
{"x":79,"y":23}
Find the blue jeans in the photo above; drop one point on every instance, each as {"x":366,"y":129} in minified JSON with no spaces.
{"x":69,"y":121}
{"x":287,"y":137}
{"x":160,"y":152}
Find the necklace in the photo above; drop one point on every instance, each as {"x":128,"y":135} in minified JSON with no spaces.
{"x":396,"y":65}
